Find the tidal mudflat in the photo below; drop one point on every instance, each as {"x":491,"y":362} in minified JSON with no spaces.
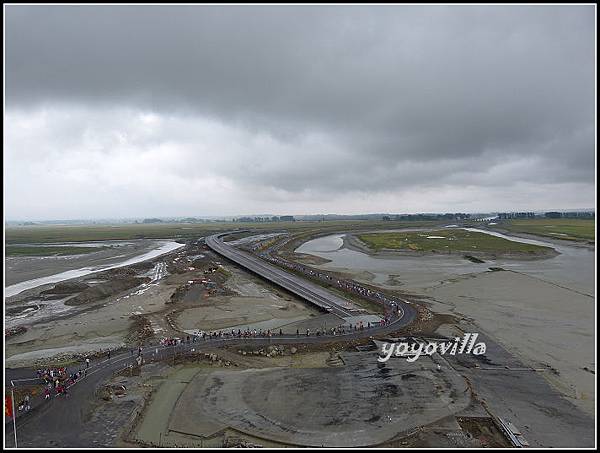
{"x":542,"y":310}
{"x":26,"y":272}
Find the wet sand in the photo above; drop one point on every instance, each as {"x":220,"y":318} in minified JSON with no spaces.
{"x":241,"y":313}
{"x":20,"y":270}
{"x":255,"y":306}
{"x":543,"y":311}
{"x":542,"y":324}
{"x":100,"y":327}
{"x":353,"y":403}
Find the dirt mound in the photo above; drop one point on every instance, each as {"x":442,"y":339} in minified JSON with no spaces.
{"x":12,"y":311}
{"x":14,"y":331}
{"x":66,"y":288}
{"x":103,"y":290}
{"x":119,"y":272}
{"x":179,"y":294}
{"x":141,"y":330}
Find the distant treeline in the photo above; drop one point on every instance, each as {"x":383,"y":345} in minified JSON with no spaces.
{"x":411,"y":217}
{"x":570,"y":215}
{"x":547,"y":215}
{"x":516,"y":215}
{"x":282,"y":218}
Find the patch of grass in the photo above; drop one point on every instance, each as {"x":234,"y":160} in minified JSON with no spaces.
{"x":84,"y":233}
{"x":446,"y":241}
{"x":40,"y":234}
{"x":568,"y":229}
{"x":15,"y":250}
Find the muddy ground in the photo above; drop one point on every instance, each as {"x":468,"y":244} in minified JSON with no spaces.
{"x":19,"y":269}
{"x":105,"y":310}
{"x":332,"y":399}
{"x":251,"y":304}
{"x":543,"y":322}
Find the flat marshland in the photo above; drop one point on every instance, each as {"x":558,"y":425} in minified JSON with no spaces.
{"x":42,"y":234}
{"x":32,"y":250}
{"x":448,"y":241}
{"x":566,"y":229}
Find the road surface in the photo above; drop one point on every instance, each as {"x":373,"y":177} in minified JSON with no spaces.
{"x":311,"y":292}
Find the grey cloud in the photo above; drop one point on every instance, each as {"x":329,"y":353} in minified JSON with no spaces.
{"x":401,"y":96}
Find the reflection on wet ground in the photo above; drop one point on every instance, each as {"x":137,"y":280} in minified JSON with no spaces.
{"x":573,"y":268}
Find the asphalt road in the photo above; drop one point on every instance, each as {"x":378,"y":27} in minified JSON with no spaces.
{"x":308,"y":291}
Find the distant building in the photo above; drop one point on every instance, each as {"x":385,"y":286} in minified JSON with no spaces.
{"x":287,"y":218}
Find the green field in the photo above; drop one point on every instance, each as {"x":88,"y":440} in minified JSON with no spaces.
{"x":40,"y":234}
{"x":569,"y":229}
{"x":16,"y":250}
{"x":83,"y":233}
{"x":446,"y":241}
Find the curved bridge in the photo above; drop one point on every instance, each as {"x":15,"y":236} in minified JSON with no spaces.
{"x":311,"y":292}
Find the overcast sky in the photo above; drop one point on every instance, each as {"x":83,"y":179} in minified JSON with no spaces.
{"x":114,"y":111}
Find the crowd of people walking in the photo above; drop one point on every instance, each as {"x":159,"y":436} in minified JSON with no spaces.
{"x":391,"y":306}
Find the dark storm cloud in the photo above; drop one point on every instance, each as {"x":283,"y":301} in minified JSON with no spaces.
{"x":396,"y":96}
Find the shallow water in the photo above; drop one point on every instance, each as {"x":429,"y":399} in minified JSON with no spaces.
{"x":98,"y":244}
{"x":46,"y":310}
{"x":574,"y":268}
{"x":163,"y":247}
